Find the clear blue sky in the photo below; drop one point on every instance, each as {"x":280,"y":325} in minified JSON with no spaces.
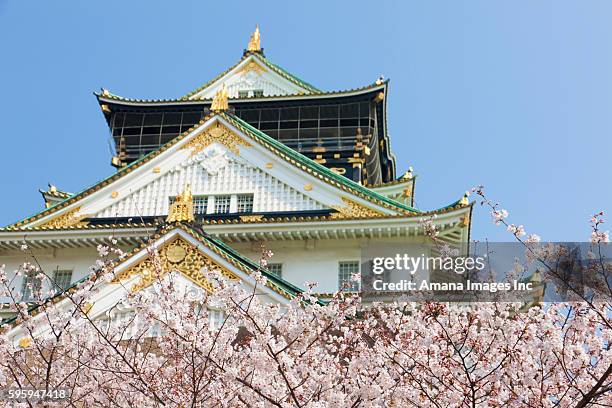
{"x":513,"y":95}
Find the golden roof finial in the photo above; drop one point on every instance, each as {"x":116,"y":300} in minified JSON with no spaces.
{"x":255,"y":41}
{"x":465,"y":199}
{"x":182,"y":208}
{"x":408,"y":175}
{"x":219,"y":102}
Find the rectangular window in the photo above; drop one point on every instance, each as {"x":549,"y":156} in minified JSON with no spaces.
{"x":345,"y":270}
{"x":257,"y":93}
{"x":216,"y":318}
{"x":243,"y":94}
{"x":222,"y":204}
{"x":31,"y":287}
{"x":61,"y":280}
{"x":245,"y":203}
{"x":276,"y":269}
{"x":200,"y":203}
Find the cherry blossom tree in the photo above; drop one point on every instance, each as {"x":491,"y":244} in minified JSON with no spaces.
{"x":163,"y":346}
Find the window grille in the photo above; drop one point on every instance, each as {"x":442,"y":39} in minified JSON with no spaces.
{"x":200,"y":203}
{"x":345,"y":270}
{"x":61,"y":280}
{"x":222,"y":204}
{"x":276,"y":269}
{"x":31,"y":286}
{"x":245,"y":203}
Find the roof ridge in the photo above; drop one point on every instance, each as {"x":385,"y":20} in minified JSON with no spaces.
{"x":288,"y":74}
{"x":335,"y":92}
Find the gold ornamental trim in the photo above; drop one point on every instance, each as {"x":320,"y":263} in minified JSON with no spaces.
{"x":354,"y":210}
{"x":177,"y":255}
{"x":409,"y":190}
{"x":25,"y":342}
{"x":217,"y":133}
{"x":68,"y":219}
{"x":251,"y":66}
{"x":465,"y":221}
{"x":220,"y":100}
{"x":251,"y":218}
{"x":182,"y":208}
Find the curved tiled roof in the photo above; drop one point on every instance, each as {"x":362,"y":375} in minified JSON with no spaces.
{"x":113,"y":97}
{"x":286,"y":152}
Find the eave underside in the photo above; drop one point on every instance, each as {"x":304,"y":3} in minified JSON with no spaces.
{"x":453,"y":228}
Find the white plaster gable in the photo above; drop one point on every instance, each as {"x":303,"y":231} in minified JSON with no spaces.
{"x":110,"y":297}
{"x":251,"y":74}
{"x":213,"y":171}
{"x":246,"y":167}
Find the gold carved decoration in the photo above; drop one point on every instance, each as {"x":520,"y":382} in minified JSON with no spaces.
{"x":269,"y":165}
{"x":255,"y":41}
{"x":465,"y":221}
{"x":176,"y":253}
{"x":25,"y":342}
{"x":252,"y":66}
{"x":251,"y":218}
{"x":68,"y":219}
{"x":219,"y":102}
{"x":353,"y":210}
{"x":308,"y":187}
{"x":182,"y":208}
{"x":179,"y":256}
{"x":408,"y":190}
{"x":217,"y":133}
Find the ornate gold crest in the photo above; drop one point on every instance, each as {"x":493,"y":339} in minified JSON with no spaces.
{"x":220,"y":100}
{"x":252,"y":66}
{"x":217,"y":133}
{"x":175,"y":253}
{"x":353,"y":210}
{"x":179,"y":256}
{"x":68,"y":219}
{"x":182,"y":208}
